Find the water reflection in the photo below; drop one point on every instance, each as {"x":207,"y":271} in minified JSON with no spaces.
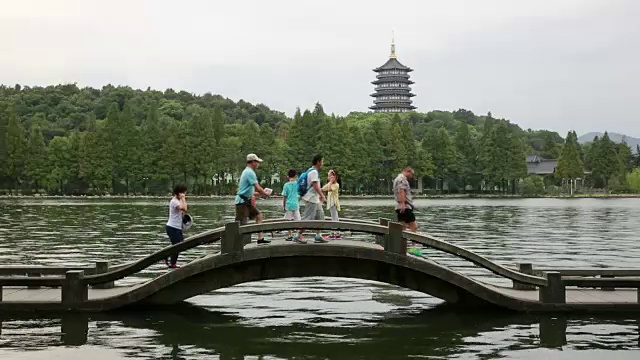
{"x":186,"y":332}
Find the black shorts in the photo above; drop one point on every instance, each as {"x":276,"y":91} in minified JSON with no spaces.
{"x":246,"y":211}
{"x":406,"y":216}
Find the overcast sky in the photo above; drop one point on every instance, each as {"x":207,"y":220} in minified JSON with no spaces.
{"x":556,"y":64}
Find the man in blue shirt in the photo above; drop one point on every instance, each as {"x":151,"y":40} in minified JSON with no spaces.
{"x":245,"y":199}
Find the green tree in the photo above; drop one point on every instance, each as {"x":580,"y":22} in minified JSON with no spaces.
{"x":569,"y":164}
{"x":516,"y":160}
{"x":605,"y":161}
{"x":633,"y":180}
{"x":61,"y":162}
{"x":36,"y":168}
{"x":95,"y":166}
{"x":151,"y":150}
{"x":466,"y":153}
{"x":625,"y":161}
{"x":550,"y":149}
{"x":201,"y":144}
{"x":439,"y":146}
{"x":4,"y":141}
{"x":16,"y":147}
{"x":173,"y":153}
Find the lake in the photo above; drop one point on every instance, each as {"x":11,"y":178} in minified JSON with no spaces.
{"x":323,"y":318}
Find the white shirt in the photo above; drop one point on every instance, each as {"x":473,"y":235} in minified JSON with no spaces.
{"x":175,"y":215}
{"x":312,"y":196}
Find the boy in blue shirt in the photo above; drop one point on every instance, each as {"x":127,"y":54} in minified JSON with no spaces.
{"x":290,"y":203}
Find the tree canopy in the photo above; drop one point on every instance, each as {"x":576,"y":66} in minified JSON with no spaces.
{"x":68,"y":140}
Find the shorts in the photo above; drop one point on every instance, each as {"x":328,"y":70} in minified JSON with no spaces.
{"x":292,"y":215}
{"x":246,"y":211}
{"x":406,"y":217}
{"x":313,"y":211}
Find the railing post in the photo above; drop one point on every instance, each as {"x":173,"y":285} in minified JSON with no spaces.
{"x":555,"y":291}
{"x":74,"y":290}
{"x":232,"y":240}
{"x":380,"y":238}
{"x":607,"y":288}
{"x":395,"y":242}
{"x":246,"y":238}
{"x":102,"y":267}
{"x":33,"y":275}
{"x":525,"y":268}
{"x":638,"y":295}
{"x":0,"y":292}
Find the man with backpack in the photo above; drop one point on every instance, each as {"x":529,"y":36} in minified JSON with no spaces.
{"x":312,"y":196}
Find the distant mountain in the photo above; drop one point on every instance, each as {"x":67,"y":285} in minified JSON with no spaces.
{"x":633,"y":142}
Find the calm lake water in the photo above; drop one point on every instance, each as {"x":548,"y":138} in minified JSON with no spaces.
{"x":323,"y":318}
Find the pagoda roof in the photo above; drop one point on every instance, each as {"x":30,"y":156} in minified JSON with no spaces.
{"x":392,"y":64}
{"x":393,"y":79}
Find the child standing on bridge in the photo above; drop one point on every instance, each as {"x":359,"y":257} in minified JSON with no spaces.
{"x":290,"y":203}
{"x":333,"y":198}
{"x":177,"y":207}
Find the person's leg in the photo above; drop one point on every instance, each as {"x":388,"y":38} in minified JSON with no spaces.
{"x":259,"y":221}
{"x":319,"y":215}
{"x":410,"y":219}
{"x":334,"y":213}
{"x":176,"y":237}
{"x":307,"y":215}
{"x":254,"y":213}
{"x":334,"y":217}
{"x":288,"y":215}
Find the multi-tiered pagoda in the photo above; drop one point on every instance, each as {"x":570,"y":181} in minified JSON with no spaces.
{"x":393,"y":93}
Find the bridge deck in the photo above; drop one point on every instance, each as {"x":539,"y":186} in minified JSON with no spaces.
{"x":575,"y":297}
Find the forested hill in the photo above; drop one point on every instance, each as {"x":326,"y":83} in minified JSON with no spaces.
{"x":66,"y":140}
{"x":60,"y":109}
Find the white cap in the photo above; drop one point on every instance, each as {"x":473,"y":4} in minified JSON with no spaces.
{"x":253,"y":157}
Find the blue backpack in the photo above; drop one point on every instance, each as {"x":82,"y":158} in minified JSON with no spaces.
{"x":302,"y":182}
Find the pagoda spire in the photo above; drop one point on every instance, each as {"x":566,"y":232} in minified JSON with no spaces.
{"x":393,"y":46}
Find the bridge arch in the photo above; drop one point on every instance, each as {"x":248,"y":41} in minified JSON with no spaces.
{"x":286,"y":261}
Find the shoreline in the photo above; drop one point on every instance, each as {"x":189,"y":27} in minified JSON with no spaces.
{"x":349,"y":197}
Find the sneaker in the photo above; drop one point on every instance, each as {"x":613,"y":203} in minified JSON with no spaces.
{"x":290,"y":238}
{"x":263,"y":241}
{"x":320,"y":240}
{"x":174,"y":266}
{"x":298,"y":239}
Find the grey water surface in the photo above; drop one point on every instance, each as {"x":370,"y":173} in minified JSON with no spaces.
{"x":323,"y":318}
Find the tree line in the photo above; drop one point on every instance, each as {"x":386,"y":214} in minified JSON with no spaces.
{"x":67,"y":140}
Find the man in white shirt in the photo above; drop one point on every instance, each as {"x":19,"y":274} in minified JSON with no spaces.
{"x":313,"y":199}
{"x":404,"y":203}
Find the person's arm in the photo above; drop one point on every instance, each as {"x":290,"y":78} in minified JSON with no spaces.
{"x":325,"y":187}
{"x":284,"y":200}
{"x":401,"y":198}
{"x":253,"y":179}
{"x":316,"y":186}
{"x":260,"y":190}
{"x":182,"y":204}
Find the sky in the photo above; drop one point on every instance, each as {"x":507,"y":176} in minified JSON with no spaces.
{"x":543,"y":64}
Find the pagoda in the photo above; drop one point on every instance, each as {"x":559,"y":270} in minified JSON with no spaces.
{"x":393,"y":93}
